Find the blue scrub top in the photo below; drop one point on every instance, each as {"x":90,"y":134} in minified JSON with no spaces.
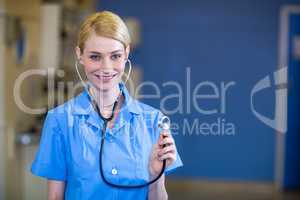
{"x":70,"y":145}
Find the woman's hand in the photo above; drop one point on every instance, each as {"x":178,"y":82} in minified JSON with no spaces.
{"x":160,"y":153}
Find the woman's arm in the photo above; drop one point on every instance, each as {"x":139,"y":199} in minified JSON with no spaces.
{"x":56,"y":190}
{"x":164,"y":149}
{"x":157,"y":190}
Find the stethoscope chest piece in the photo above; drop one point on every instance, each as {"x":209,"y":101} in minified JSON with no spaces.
{"x":164,"y":123}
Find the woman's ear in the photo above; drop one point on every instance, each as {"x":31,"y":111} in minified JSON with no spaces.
{"x":78,"y":54}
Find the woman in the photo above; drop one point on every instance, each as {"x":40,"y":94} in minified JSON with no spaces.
{"x":133,"y":148}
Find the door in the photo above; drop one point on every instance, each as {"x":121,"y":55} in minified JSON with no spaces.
{"x":288,"y":144}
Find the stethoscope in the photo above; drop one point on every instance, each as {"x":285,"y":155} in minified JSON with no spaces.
{"x":164,"y":124}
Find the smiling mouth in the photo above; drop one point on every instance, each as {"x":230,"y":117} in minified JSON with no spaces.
{"x":105,"y":77}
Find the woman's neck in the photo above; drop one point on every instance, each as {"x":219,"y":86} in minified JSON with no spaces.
{"x":105,"y":99}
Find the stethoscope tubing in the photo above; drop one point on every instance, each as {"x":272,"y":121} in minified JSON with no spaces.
{"x":103,"y":134}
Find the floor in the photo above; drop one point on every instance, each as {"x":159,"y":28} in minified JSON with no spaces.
{"x":205,"y":190}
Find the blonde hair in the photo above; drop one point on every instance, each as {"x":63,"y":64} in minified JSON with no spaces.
{"x":106,"y":24}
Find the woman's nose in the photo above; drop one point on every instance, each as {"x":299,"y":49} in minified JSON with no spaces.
{"x":106,"y":63}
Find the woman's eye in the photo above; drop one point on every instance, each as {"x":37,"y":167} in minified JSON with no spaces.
{"x":116,"y":56}
{"x":95,"y":57}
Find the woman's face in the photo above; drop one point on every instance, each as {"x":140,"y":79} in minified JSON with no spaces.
{"x":104,"y":61}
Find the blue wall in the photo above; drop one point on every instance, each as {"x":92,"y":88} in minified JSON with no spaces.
{"x":221,"y":41}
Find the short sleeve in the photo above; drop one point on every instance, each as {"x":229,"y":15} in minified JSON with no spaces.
{"x":178,"y":162}
{"x":50,"y":160}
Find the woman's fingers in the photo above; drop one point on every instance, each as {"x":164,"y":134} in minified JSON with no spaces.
{"x":171,"y":156}
{"x":167,"y":140}
{"x":166,"y":133}
{"x":167,"y":152}
{"x":166,"y":149}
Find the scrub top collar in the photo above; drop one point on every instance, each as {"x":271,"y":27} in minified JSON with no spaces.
{"x":82,"y":105}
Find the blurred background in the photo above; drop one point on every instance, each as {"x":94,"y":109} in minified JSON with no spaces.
{"x":238,"y":65}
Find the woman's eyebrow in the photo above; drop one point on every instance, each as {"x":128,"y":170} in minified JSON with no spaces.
{"x":116,"y":51}
{"x":99,"y":53}
{"x":95,"y":52}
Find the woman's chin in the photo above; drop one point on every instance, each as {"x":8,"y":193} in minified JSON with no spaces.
{"x":105,"y":86}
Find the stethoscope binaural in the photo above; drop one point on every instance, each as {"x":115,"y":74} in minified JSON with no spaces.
{"x":164,"y":124}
